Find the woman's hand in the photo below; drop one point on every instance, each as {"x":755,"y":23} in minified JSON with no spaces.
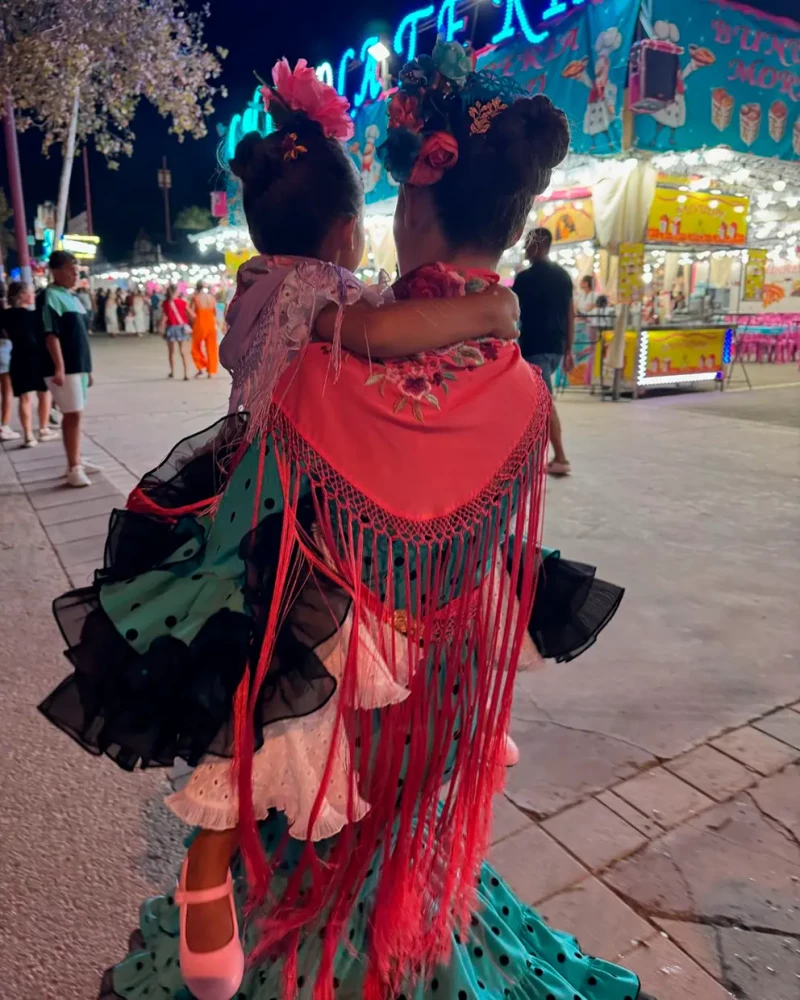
{"x":504,"y":306}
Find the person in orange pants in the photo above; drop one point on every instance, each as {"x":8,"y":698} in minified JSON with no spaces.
{"x":205,"y":349}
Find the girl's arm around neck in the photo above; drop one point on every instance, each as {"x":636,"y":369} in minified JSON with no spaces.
{"x":413,"y":326}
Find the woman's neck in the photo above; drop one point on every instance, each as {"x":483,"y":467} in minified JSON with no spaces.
{"x":478,"y":261}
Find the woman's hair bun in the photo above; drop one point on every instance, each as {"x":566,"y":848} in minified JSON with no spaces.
{"x":532,"y":135}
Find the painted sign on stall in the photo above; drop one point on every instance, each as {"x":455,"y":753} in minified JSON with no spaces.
{"x":680,"y":215}
{"x":754,"y":273}
{"x":631,"y":266}
{"x":718,"y":73}
{"x":371,"y":124}
{"x":581,"y":66}
{"x":569,"y":220}
{"x":682,"y":355}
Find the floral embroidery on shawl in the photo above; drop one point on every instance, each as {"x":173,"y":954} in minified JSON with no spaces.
{"x":415,"y":381}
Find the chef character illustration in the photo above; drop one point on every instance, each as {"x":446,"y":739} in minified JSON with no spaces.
{"x":673,"y":114}
{"x":371,"y":167}
{"x":601,"y":109}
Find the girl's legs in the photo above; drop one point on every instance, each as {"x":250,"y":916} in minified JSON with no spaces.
{"x":45,"y":404}
{"x":208,"y":925}
{"x":26,"y":415}
{"x":171,"y":356}
{"x":6,"y":399}
{"x":184,"y":349}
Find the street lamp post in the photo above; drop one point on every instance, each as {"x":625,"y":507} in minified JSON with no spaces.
{"x":17,"y":201}
{"x":165,"y":183}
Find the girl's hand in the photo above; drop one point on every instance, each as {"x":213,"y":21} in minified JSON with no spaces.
{"x":504,"y":306}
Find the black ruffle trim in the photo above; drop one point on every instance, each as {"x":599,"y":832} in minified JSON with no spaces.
{"x":175,"y":700}
{"x":572,"y":607}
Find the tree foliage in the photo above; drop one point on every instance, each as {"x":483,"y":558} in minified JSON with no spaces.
{"x":194,"y":218}
{"x":111,"y":53}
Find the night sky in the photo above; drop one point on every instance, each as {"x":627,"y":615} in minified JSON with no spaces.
{"x":256,"y":33}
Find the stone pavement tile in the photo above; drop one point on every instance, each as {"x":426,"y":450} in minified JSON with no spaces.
{"x":669,"y":974}
{"x":54,"y":482}
{"x":661,"y":795}
{"x":38,"y":460}
{"x":604,"y":926}
{"x":700,"y":941}
{"x":752,"y":965}
{"x":594,"y":834}
{"x":78,"y":512}
{"x":40,"y":474}
{"x":84,"y":550}
{"x":631,"y":815}
{"x":712,"y":772}
{"x":565,"y":765}
{"x":72,"y":531}
{"x":783,"y":725}
{"x":534,"y":865}
{"x":83,"y":575}
{"x":759,"y":751}
{"x":507,"y":819}
{"x":731,"y":865}
{"x":59,"y":494}
{"x":779,"y":798}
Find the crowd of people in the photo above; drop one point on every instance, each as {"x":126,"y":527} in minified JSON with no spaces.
{"x":320,"y":602}
{"x":44,"y":351}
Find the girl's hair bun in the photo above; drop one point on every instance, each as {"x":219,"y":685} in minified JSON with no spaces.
{"x":255,"y":162}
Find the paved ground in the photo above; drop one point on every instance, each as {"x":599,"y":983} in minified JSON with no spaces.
{"x":656,"y":811}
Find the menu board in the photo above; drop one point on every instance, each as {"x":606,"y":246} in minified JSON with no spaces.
{"x":631,"y":266}
{"x":680,"y":215}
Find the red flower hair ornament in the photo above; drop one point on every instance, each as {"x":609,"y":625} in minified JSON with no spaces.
{"x":439,"y":152}
{"x":300,"y":90}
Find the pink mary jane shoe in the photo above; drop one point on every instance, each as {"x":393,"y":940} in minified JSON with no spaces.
{"x":211,"y":975}
{"x":512,"y":753}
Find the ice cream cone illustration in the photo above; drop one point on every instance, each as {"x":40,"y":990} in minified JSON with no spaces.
{"x":721,"y":108}
{"x":749,"y":123}
{"x":778,"y":113}
{"x":796,"y":136}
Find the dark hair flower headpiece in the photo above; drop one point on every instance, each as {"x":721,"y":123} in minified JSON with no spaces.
{"x":428,"y":113}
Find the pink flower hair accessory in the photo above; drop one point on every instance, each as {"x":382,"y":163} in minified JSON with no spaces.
{"x":300,"y":90}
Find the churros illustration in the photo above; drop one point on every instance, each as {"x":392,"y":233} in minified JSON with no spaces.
{"x":721,"y":108}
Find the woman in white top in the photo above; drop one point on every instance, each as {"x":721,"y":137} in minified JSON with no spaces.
{"x":585,"y":297}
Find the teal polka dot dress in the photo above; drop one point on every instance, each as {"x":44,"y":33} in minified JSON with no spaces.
{"x":507,"y":951}
{"x":198,"y":574}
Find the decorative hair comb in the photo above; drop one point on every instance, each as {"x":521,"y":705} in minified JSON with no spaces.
{"x":483,"y":114}
{"x":299,"y":90}
{"x":291,"y":149}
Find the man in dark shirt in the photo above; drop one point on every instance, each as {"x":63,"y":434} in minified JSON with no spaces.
{"x":68,"y":366}
{"x":547,"y":325}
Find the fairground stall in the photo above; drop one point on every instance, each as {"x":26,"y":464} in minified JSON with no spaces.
{"x":679,"y":196}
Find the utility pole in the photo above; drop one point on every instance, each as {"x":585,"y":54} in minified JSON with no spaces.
{"x":88,"y":190}
{"x":165,"y":183}
{"x":17,"y":201}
